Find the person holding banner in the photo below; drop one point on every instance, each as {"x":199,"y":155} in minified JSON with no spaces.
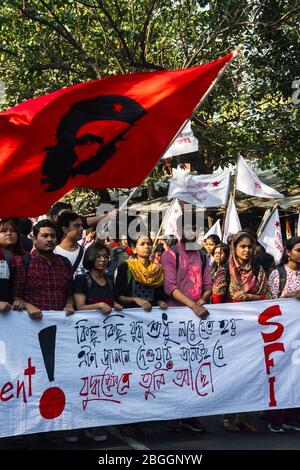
{"x":284,"y":281}
{"x":92,"y":290}
{"x":43,"y":281}
{"x":139,"y":281}
{"x":243,"y":280}
{"x":187,"y":283}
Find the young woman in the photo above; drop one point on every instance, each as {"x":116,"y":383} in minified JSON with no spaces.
{"x":241,"y":281}
{"x":244,"y":280}
{"x":91,"y":290}
{"x":10,"y":237}
{"x":284,"y":281}
{"x":210,"y":244}
{"x":139,"y":281}
{"x":9,"y":246}
{"x":221,"y":256}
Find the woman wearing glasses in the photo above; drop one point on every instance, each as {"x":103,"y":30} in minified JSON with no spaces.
{"x":92,"y":290}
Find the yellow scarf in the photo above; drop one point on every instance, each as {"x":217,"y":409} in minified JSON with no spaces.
{"x":152,"y":276}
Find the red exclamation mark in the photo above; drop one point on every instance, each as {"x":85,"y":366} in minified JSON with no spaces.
{"x":53,"y":400}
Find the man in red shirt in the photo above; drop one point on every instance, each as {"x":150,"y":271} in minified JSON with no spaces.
{"x":44,"y":281}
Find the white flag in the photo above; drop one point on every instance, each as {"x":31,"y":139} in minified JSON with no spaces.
{"x":170,"y":222}
{"x":201,"y":190}
{"x":248,"y":182}
{"x":271,"y":237}
{"x":232,"y":223}
{"x":298,"y":226}
{"x":185,"y":142}
{"x":214,"y":230}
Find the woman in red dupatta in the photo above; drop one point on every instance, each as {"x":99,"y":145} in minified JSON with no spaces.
{"x":242,"y":280}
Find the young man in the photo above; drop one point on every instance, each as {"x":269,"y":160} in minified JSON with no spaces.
{"x":69,"y":226}
{"x":43,"y":281}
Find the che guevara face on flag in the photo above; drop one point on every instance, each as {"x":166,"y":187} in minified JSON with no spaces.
{"x":87,"y":136}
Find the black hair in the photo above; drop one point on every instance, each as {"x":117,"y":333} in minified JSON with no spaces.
{"x":251,"y":232}
{"x":225,"y":248}
{"x":265,"y":260}
{"x":25,"y":225}
{"x":289,"y":245}
{"x":17,"y":249}
{"x":41,"y":224}
{"x":159,"y":248}
{"x":64,"y":220}
{"x":92,"y":253}
{"x":170,"y":241}
{"x":59,"y":206}
{"x":214,"y":238}
{"x":140,"y":235}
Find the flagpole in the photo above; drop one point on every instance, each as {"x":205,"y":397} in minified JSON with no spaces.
{"x":161,"y":225}
{"x":264,"y":222}
{"x":225,"y":215}
{"x":235,"y":177}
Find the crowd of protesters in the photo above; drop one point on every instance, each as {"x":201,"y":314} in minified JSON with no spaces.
{"x":62,"y":269}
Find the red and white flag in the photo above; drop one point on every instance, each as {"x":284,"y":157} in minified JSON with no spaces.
{"x":186,"y":142}
{"x":248,"y":182}
{"x":232,"y":223}
{"x":271,"y":237}
{"x":201,"y":190}
{"x":170,"y":222}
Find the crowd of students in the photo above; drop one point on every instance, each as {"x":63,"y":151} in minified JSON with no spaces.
{"x":58,"y":269}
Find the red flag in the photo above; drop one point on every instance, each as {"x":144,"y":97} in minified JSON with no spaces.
{"x":100,"y":134}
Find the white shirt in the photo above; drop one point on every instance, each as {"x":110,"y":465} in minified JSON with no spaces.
{"x":72,"y":256}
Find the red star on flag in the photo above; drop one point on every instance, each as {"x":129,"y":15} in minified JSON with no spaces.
{"x":216,"y":183}
{"x":176,"y":211}
{"x":257,"y":185}
{"x":277,"y":223}
{"x":117,"y":107}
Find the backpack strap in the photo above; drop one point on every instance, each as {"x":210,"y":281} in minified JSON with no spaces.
{"x":282,"y":278}
{"x":9,"y":259}
{"x":203,"y":257}
{"x":78,"y":259}
{"x":26,"y":262}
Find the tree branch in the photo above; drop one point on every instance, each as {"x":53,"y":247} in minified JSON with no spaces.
{"x":61,"y":30}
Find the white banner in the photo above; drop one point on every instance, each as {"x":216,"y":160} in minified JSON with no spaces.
{"x":89,"y":370}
